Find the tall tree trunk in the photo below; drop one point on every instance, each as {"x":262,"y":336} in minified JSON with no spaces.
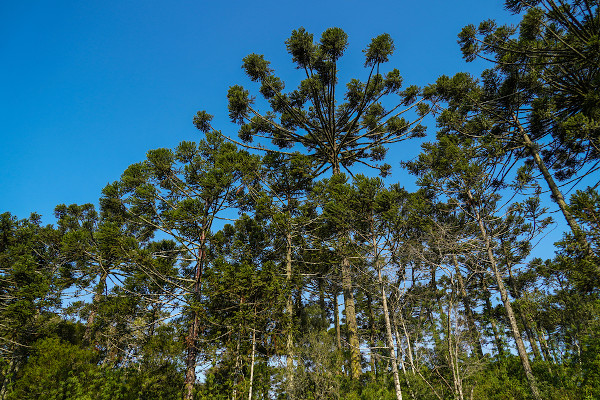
{"x":473,"y":332}
{"x":453,"y":353}
{"x":372,"y":334}
{"x":322,"y":304}
{"x":386,"y":314}
{"x":191,"y":357}
{"x":89,"y":326}
{"x":191,"y":341}
{"x":237,"y":369}
{"x":488,"y":310}
{"x":389,"y":337}
{"x":351,"y":324}
{"x":409,"y":350}
{"x":11,"y":370}
{"x":507,"y":306}
{"x":544,"y":345}
{"x":522,"y":310}
{"x":349,"y":306}
{"x":290,"y":314}
{"x":252,"y":360}
{"x":336,"y":320}
{"x":556,"y":193}
{"x":399,"y":351}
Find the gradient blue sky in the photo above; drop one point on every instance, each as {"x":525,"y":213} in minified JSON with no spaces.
{"x":87,"y":87}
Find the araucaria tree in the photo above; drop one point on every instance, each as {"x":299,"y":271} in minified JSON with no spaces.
{"x":179,"y":194}
{"x":539,"y":100}
{"x":336,"y":130}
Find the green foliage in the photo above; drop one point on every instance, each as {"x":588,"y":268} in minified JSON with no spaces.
{"x":580,"y":266}
{"x":61,"y":371}
{"x":335,"y":135}
{"x":550,"y":62}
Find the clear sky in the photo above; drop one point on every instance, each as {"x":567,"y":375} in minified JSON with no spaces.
{"x":87,"y":87}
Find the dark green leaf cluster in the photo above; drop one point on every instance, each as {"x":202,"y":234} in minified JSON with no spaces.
{"x":336,"y":135}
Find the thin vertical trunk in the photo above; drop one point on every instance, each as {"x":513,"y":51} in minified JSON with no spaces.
{"x":349,"y":306}
{"x":556,"y":193}
{"x":488,"y":310}
{"x":473,"y":332}
{"x":191,"y":340}
{"x":89,"y":327}
{"x":351,"y":324}
{"x":389,"y":337}
{"x":544,"y":345}
{"x":531,"y":337}
{"x":409,"y":350}
{"x":386,"y":314}
{"x":372,"y":334}
{"x":238,"y":363}
{"x":252,"y":361}
{"x":336,"y":321}
{"x":399,"y":350}
{"x":400,"y":354}
{"x":322,"y":304}
{"x":522,"y":310}
{"x":394,"y":297}
{"x":190,"y":361}
{"x":11,"y":370}
{"x":453,"y":355}
{"x":508,"y":307}
{"x":290,"y":314}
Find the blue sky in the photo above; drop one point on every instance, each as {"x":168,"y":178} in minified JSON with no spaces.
{"x":87,"y":87}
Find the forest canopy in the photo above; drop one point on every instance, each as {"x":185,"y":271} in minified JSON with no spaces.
{"x":282,"y":262}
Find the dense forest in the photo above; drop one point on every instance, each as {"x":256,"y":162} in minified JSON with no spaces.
{"x":281,"y":262}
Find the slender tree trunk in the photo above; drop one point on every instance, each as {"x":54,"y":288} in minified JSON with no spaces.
{"x":191,"y":357}
{"x":473,"y":332}
{"x":238,"y":363}
{"x":11,"y":370}
{"x":400,"y":354}
{"x":395,"y":298}
{"x":372,"y":334}
{"x":89,"y":326}
{"x":355,"y":367}
{"x":556,"y":193}
{"x":290,"y":314}
{"x":193,"y":332}
{"x":389,"y":337}
{"x":349,"y":306}
{"x":399,"y":351}
{"x":409,"y":350}
{"x":252,"y":362}
{"x":453,"y":355}
{"x":508,"y":307}
{"x":386,"y":314}
{"x":336,"y":320}
{"x":322,"y":305}
{"x":488,"y":310}
{"x":522,"y":310}
{"x":544,"y":345}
